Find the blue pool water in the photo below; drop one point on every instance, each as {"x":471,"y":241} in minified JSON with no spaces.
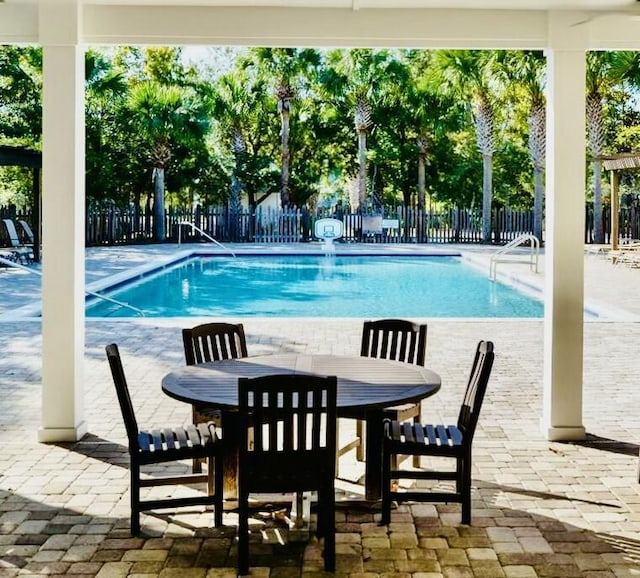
{"x":318,"y":286}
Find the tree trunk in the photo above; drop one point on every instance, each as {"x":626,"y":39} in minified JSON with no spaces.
{"x":137,"y":198}
{"x":235,"y":204}
{"x":284,"y":177}
{"x":421,"y":181}
{"x":487,"y":191}
{"x":159,"y":232}
{"x":537,"y":202}
{"x":362,"y":173}
{"x":235,"y":199}
{"x":598,"y":231}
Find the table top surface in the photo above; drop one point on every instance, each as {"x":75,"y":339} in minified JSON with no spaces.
{"x":363,"y":382}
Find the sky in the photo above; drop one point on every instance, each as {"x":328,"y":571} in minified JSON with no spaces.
{"x":217,"y":59}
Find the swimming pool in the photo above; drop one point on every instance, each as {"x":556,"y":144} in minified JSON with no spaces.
{"x":319,"y":286}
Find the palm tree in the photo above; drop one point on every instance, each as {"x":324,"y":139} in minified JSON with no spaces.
{"x":166,"y":115}
{"x":21,"y":81}
{"x":526,"y":71}
{"x":422,"y":142}
{"x":230,"y":109}
{"x":239,"y":110}
{"x":104,"y":90}
{"x":362,"y":123}
{"x":414,"y":121}
{"x":358,"y":82}
{"x":606,"y":72}
{"x":286,"y":67}
{"x":467,"y":74}
{"x":242,"y":109}
{"x":598,"y":82}
{"x":428,"y":111}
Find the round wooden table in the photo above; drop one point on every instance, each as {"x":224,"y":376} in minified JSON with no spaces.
{"x":365,"y":387}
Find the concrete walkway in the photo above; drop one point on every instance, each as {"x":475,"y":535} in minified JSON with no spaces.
{"x":539,"y":508}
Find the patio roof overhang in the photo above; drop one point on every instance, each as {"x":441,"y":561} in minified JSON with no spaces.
{"x":597,"y":24}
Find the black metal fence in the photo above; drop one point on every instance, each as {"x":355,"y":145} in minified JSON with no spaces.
{"x":628,"y":222}
{"x":113,"y":226}
{"x":293,"y":224}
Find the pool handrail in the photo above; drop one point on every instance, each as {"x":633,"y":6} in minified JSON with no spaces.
{"x":500,"y":255}
{"x":196,"y":228}
{"x":10,"y":263}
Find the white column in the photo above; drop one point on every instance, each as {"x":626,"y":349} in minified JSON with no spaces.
{"x":62,"y":223}
{"x":564,"y":261}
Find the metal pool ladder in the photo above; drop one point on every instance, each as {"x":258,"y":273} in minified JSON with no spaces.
{"x":195,"y":228}
{"x":506,"y":254}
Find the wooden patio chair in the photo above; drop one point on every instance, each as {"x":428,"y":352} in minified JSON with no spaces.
{"x":399,"y":340}
{"x":212,"y":342}
{"x":163,"y":445}
{"x":292,"y":450}
{"x":453,"y":441}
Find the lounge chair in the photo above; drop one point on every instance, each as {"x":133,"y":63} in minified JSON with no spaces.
{"x":26,"y":229}
{"x":7,"y":255}
{"x":23,"y":252}
{"x":627,"y":254}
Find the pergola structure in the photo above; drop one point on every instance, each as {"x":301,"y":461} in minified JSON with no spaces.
{"x":615,"y":164}
{"x":564,"y":29}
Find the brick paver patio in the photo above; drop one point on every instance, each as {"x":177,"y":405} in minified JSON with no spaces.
{"x":540,"y":508}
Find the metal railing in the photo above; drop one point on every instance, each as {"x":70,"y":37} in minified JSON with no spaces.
{"x":506,"y":254}
{"x":10,"y":263}
{"x":195,"y":228}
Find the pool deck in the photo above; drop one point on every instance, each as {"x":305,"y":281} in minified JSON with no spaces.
{"x":541,"y":509}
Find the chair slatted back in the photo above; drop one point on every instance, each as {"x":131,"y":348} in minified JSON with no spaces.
{"x":27,"y":231}
{"x":288,"y":429}
{"x":395,"y":339}
{"x":214,"y":342}
{"x":476,"y":388}
{"x":12,"y":232}
{"x":124,"y":399}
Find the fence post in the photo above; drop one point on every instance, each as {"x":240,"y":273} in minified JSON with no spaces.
{"x":110,"y":218}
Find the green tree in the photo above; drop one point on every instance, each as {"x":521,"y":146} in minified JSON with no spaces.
{"x":20,"y":115}
{"x":166,"y":116}
{"x":606,"y":73}
{"x":354,"y":80}
{"x":360,"y":83}
{"x":287,"y":69}
{"x":105,"y":90}
{"x":434,"y":118}
{"x":21,"y":89}
{"x":241,"y":109}
{"x":467,"y":74}
{"x":525,"y":73}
